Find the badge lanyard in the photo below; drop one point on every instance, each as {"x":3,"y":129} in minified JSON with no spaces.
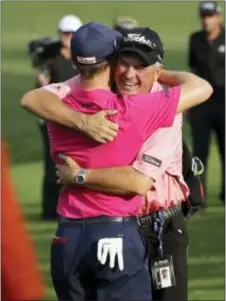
{"x":160,"y":281}
{"x":158,"y":229}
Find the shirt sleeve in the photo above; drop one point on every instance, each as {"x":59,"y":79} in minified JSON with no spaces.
{"x":60,"y":89}
{"x":64,"y":88}
{"x":156,"y":153}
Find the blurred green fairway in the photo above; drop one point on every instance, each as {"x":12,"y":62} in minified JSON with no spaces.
{"x":174,"y":21}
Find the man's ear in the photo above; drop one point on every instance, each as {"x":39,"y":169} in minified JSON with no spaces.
{"x":159,"y":70}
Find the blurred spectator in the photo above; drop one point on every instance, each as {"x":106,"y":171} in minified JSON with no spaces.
{"x":19,"y":268}
{"x":207,"y":60}
{"x":59,"y":70}
{"x":123,"y":24}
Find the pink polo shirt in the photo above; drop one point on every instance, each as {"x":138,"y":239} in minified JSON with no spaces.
{"x":138,"y":117}
{"x":161,"y":159}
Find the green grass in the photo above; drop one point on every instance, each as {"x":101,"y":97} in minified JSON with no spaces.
{"x":174,"y":21}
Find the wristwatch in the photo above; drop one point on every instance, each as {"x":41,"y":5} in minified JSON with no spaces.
{"x":81,"y":176}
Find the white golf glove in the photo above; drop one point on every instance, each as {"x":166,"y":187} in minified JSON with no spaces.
{"x":112,"y":247}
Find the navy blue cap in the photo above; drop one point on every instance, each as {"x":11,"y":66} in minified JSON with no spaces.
{"x":94,"y":43}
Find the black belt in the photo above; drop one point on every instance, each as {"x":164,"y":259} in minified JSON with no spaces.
{"x":98,"y":219}
{"x":147,"y":220}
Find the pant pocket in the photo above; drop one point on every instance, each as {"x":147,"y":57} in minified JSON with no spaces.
{"x":179,"y":228}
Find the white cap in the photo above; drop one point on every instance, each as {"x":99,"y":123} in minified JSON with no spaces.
{"x":69,"y":23}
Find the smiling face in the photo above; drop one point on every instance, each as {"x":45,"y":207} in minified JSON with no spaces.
{"x":132,"y":76}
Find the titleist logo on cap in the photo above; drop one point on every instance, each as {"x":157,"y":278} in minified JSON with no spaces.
{"x":134,"y":37}
{"x":86,"y":60}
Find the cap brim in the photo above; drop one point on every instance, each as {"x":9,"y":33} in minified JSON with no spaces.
{"x":148,"y":58}
{"x":208,"y":13}
{"x":66,"y":30}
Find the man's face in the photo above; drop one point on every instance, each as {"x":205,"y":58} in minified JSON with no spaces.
{"x":65,"y":38}
{"x":164,"y":274}
{"x":133,"y":77}
{"x":210,"y":23}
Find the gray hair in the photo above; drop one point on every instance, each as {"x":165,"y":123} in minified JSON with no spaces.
{"x":157,"y":64}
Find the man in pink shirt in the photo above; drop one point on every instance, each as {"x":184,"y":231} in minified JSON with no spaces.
{"x":161,"y":159}
{"x":79,"y":206}
{"x":138,"y":117}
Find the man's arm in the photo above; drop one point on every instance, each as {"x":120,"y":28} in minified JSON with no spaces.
{"x":194,"y":89}
{"x":52,"y":108}
{"x":111,"y":191}
{"x":115,"y":180}
{"x":120,"y":180}
{"x":49,"y":106}
{"x":46,"y":105}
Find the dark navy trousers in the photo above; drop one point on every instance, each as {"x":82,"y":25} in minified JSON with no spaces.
{"x":78,"y":276}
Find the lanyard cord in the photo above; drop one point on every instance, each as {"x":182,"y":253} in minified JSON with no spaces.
{"x":158,"y":229}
